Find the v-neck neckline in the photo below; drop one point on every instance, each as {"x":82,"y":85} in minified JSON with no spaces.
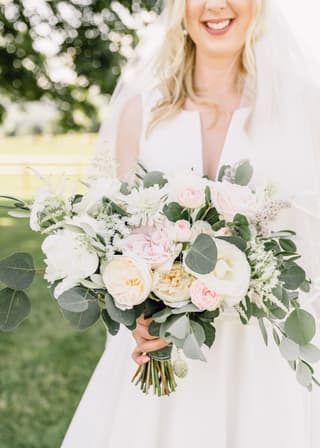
{"x":197,"y":114}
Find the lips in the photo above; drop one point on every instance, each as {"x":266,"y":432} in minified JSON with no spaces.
{"x":218,"y":26}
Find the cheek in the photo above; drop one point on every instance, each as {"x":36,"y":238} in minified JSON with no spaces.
{"x":194,"y":10}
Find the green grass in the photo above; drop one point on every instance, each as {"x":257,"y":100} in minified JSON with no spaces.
{"x":44,"y":364}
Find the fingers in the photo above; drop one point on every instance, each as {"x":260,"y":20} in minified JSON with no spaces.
{"x":142,"y":332}
{"x":142,"y":321}
{"x":144,"y":346}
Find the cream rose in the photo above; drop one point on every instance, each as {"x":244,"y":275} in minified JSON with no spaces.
{"x":231,"y":276}
{"x":230,"y":199}
{"x":128,"y":280}
{"x":182,"y":231}
{"x":187,"y":189}
{"x":173,"y":286}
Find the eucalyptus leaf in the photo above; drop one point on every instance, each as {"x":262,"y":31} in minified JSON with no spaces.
{"x":263,"y":331}
{"x":244,"y":173}
{"x":17,"y":271}
{"x":85,"y":319}
{"x":304,"y":374}
{"x":190,"y":308}
{"x":310,"y":353}
{"x":293,"y":276}
{"x":180,"y":328}
{"x":210,"y":333}
{"x":126,"y":318}
{"x":174,"y":212}
{"x":162,"y":315}
{"x":15,"y":307}
{"x":154,"y":178}
{"x":202,"y":257}
{"x":287,"y":245}
{"x":276,"y":336}
{"x":112,"y":326}
{"x":236,"y":241}
{"x":192,"y":349}
{"x":289,"y":349}
{"x":198,"y":332}
{"x":300,"y":326}
{"x":75,"y":299}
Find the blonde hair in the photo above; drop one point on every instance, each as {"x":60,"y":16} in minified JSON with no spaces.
{"x":176,"y":61}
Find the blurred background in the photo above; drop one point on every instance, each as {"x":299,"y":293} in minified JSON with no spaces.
{"x":59,"y":63}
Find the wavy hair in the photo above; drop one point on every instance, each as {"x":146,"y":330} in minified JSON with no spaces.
{"x":176,"y":60}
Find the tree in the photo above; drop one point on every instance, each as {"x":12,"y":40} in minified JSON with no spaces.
{"x":90,"y":38}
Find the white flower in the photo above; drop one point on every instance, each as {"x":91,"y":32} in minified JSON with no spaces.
{"x":145,"y":205}
{"x":231,"y":275}
{"x":172,"y":286}
{"x":128,"y":280}
{"x":187,"y":189}
{"x":101,"y":188}
{"x":68,"y":259}
{"x":230,"y":199}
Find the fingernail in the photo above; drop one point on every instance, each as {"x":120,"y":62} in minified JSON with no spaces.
{"x":146,"y":359}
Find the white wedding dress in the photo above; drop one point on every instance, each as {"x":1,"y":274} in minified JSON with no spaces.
{"x":245,"y":396}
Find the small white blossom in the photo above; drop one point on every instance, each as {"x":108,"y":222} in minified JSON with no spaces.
{"x":145,"y":205}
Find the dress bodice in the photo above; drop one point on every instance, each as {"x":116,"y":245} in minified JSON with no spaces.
{"x":176,"y":143}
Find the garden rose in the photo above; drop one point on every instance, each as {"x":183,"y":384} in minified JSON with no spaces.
{"x":203,"y":297}
{"x":231,"y":276}
{"x":151,"y":245}
{"x":68,"y":259}
{"x":172,"y":286}
{"x":128,"y":280}
{"x":187,"y":189}
{"x":230,"y":199}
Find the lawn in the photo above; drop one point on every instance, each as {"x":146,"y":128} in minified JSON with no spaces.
{"x":44,"y":365}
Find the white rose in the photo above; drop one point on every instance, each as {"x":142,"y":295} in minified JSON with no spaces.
{"x":230,"y":199}
{"x":128,"y":280}
{"x":103,"y":187}
{"x":68,"y":259}
{"x":173,"y":286}
{"x":231,"y":275}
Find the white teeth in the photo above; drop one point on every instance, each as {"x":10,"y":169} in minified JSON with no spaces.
{"x":219,"y":25}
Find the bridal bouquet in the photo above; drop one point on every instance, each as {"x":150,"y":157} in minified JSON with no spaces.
{"x":179,"y":248}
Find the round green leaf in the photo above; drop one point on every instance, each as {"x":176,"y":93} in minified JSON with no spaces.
{"x":289,"y":349}
{"x":310,"y":353}
{"x":17,"y":271}
{"x":304,"y":374}
{"x":300,"y":326}
{"x":85,"y":319}
{"x":202,"y":257}
{"x":154,"y":178}
{"x":75,"y":300}
{"x":112,"y":326}
{"x":15,"y":307}
{"x":293,"y":277}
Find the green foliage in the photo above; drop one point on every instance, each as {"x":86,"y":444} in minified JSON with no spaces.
{"x":17,"y":271}
{"x":300,"y":326}
{"x":91,"y":35}
{"x":202,"y":256}
{"x":15,"y":306}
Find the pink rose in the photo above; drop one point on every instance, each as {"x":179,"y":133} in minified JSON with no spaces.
{"x":149,"y":244}
{"x":191,"y":197}
{"x":182,"y":231}
{"x":203,"y":297}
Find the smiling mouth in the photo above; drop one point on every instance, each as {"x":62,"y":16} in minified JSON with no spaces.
{"x":218,"y":26}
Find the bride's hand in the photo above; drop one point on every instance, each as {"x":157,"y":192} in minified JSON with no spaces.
{"x":145,"y":342}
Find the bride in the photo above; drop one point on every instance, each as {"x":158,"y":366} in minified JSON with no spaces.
{"x":224,"y":81}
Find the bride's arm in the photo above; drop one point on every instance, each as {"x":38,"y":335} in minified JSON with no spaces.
{"x":127,"y":153}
